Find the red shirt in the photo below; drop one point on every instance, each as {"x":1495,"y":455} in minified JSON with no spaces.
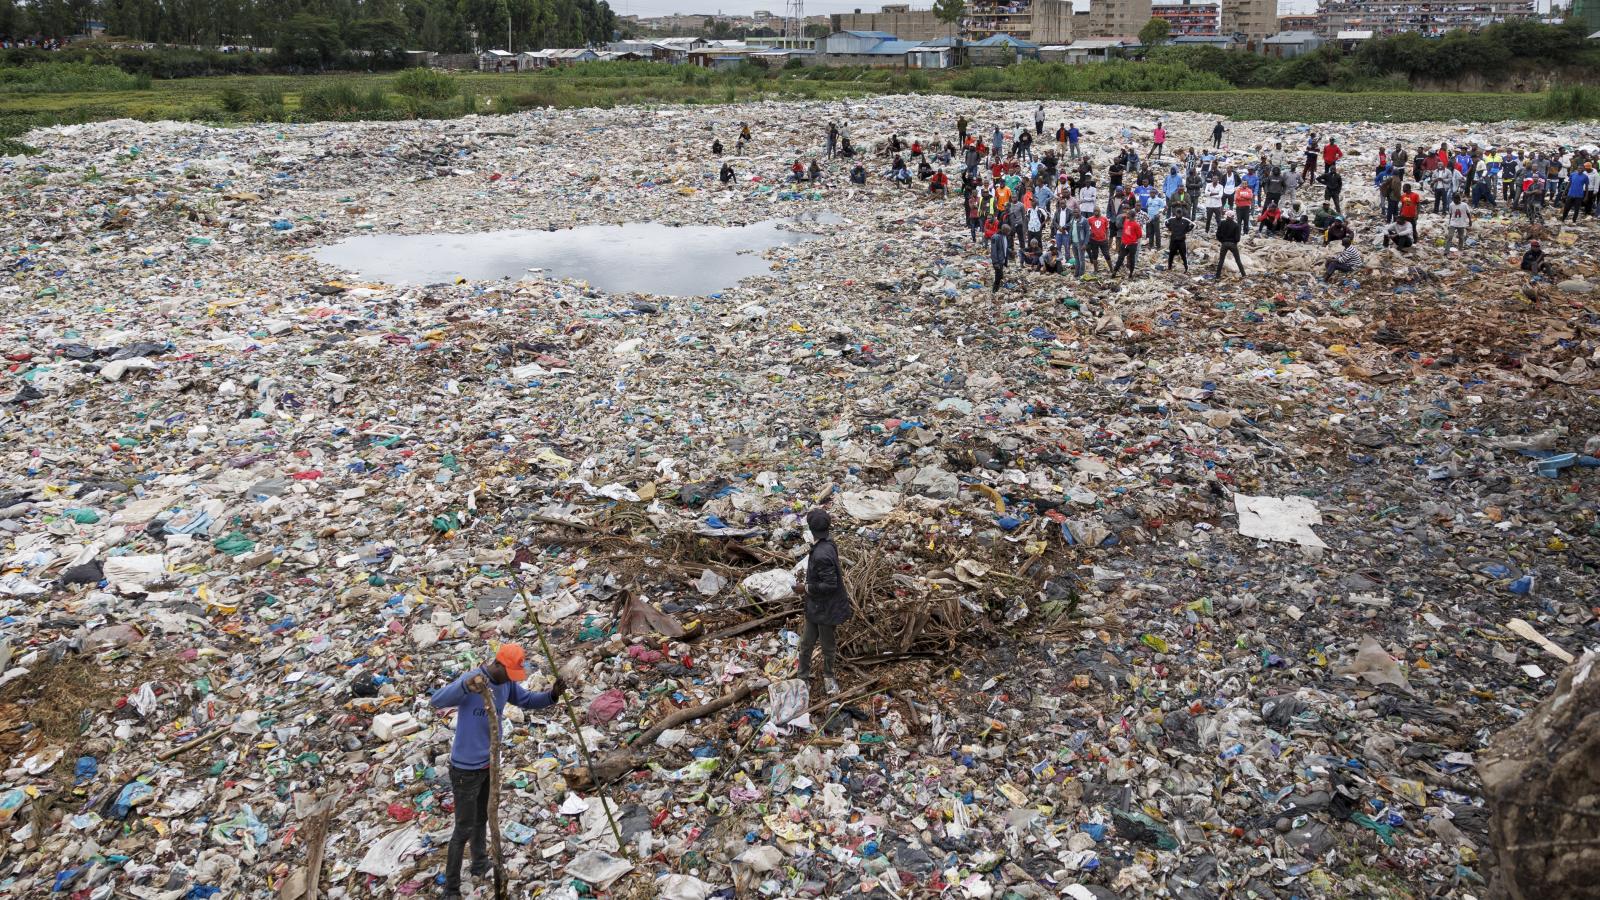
{"x":1131,"y":232}
{"x":1331,"y":154}
{"x":1409,"y":203}
{"x":1099,"y":228}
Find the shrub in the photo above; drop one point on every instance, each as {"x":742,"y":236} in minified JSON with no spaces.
{"x":1566,"y":103}
{"x":426,"y":84}
{"x":68,"y":77}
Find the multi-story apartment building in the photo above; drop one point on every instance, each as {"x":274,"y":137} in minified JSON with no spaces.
{"x":1189,"y":18}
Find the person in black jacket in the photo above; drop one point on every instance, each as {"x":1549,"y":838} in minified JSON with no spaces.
{"x":827,"y":601}
{"x":1228,"y":241}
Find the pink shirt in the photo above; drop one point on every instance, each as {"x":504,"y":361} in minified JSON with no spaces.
{"x":1161,"y":136}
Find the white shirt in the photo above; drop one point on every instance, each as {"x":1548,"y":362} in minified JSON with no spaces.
{"x":1460,"y":215}
{"x":1212,"y":199}
{"x":1087,"y":196}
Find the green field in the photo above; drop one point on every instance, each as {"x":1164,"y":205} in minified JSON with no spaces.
{"x":246,"y":98}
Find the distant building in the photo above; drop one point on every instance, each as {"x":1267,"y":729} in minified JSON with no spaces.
{"x":1025,"y":19}
{"x":898,"y":19}
{"x":497,"y":61}
{"x":1095,"y":50}
{"x":1255,"y":20}
{"x":1219,"y":41}
{"x":863,"y":48}
{"x":1429,"y":17}
{"x":1115,"y":18}
{"x":1290,"y":44}
{"x":1189,"y":17}
{"x":1587,"y":12}
{"x":1352,"y":38}
{"x":1297,"y":23}
{"x":1001,"y":50}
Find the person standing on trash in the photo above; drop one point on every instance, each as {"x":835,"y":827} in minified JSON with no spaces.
{"x":999,"y":253}
{"x":827,"y":599}
{"x":1228,"y":233}
{"x":469,"y":752}
{"x":1216,"y":134}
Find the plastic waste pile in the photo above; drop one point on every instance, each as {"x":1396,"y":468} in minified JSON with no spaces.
{"x":1163,"y":587}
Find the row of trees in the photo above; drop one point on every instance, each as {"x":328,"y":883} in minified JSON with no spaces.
{"x":322,"y":29}
{"x":1492,"y":53}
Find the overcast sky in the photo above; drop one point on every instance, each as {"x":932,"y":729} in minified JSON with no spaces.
{"x":817,"y":7}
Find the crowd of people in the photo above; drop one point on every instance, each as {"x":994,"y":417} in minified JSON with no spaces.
{"x":1055,"y":210}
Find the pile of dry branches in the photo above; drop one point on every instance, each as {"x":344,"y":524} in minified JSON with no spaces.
{"x":892,"y":620}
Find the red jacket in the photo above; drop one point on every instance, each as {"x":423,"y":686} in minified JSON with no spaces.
{"x":1131,"y":232}
{"x":1331,"y":154}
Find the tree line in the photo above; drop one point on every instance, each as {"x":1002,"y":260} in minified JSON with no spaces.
{"x":321,"y":30}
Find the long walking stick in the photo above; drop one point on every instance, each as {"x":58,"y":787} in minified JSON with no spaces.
{"x":572,"y":716}
{"x":494,"y":792}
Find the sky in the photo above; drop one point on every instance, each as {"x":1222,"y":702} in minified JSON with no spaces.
{"x":818,"y":7}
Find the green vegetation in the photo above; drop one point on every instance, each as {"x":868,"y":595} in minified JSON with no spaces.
{"x":1567,"y":103}
{"x":1404,"y":60}
{"x":65,"y":78}
{"x":316,"y":34}
{"x":1155,"y":32}
{"x":70,"y":93}
{"x":1034,"y":79}
{"x":426,"y":84}
{"x":1327,"y":106}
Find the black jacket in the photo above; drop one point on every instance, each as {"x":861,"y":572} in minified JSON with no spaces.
{"x":827,"y":601}
{"x":1228,"y":231}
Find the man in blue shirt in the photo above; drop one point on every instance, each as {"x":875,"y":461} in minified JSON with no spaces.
{"x":1576,"y":186}
{"x":469,"y":752}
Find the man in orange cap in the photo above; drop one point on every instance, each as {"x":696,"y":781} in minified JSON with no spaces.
{"x":469,"y":752}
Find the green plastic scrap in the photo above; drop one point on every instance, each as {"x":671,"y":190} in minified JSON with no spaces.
{"x":449,"y":522}
{"x":1384,"y":831}
{"x":233,"y":544}
{"x":82,"y":516}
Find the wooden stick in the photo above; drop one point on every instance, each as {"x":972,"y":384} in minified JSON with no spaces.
{"x":494,"y":790}
{"x":692,"y":713}
{"x":316,"y":843}
{"x":185,"y":747}
{"x":618,"y":763}
{"x":572,"y":716}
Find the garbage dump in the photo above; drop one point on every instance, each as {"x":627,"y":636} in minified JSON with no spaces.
{"x":1172,"y":586}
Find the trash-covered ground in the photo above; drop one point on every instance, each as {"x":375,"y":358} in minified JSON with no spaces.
{"x":1163,"y":588}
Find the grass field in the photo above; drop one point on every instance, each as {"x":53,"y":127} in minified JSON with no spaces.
{"x":272,"y":97}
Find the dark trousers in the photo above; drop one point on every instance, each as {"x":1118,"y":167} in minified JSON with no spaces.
{"x":1333,"y":198}
{"x":1216,"y":140}
{"x":1242,"y":213}
{"x":471,"y":788}
{"x":1438,"y":201}
{"x":1310,"y":170}
{"x":1222,"y":255}
{"x":1154,"y":235}
{"x":999,"y":272}
{"x":1129,"y":252}
{"x":1332,"y":266}
{"x":828,"y":633}
{"x":1570,"y":204}
{"x":1179,"y":249}
{"x":1099,"y":249}
{"x":1391,"y":210}
{"x":1212,"y":212}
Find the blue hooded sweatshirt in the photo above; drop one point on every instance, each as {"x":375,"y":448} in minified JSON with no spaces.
{"x":470,"y":750}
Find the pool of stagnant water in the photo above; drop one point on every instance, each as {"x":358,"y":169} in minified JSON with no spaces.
{"x":644,"y":257}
